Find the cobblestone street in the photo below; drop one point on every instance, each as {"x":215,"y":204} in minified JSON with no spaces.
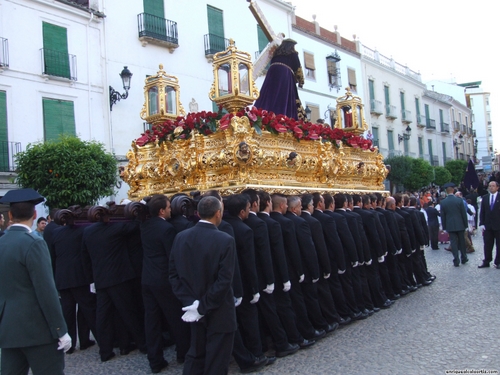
{"x":452,"y":324}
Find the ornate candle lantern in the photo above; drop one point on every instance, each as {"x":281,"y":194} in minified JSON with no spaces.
{"x":350,"y":113}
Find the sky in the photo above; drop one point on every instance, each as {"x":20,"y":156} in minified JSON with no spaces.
{"x":441,"y":39}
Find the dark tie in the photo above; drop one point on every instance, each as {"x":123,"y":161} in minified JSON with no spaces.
{"x":492,"y":203}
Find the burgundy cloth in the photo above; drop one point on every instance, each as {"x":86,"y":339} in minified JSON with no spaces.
{"x":279,"y":91}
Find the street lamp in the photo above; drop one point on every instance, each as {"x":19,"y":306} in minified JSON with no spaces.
{"x":308,"y":113}
{"x":115,"y":96}
{"x":406,"y":135}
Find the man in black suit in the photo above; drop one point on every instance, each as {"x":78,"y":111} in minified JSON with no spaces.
{"x":201,"y":270}
{"x":433,"y":222}
{"x":104,"y":252}
{"x":157,"y":236}
{"x":489,"y":222}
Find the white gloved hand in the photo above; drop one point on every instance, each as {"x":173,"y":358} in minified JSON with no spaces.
{"x":92,"y":288}
{"x":413,"y":251}
{"x":326,"y":275}
{"x":301,"y":278}
{"x":237,"y":301}
{"x":315,"y":280}
{"x":385,"y":254}
{"x":191,"y":312}
{"x":399,"y":251}
{"x":408,"y":255}
{"x":287,"y":286}
{"x":269,"y":288}
{"x":64,"y":343}
{"x":482,"y":227}
{"x":422,"y":248}
{"x":340,"y":272}
{"x":369,"y":263}
{"x":255,"y":298}
{"x":381,"y":259}
{"x":355,"y":264}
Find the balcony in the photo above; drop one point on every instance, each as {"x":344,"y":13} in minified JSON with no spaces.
{"x":474,"y":133}
{"x":456,"y":126}
{"x":376,"y":107}
{"x":434,"y":160}
{"x":214,"y":44}
{"x":463,"y":129}
{"x":445,"y":128}
{"x":4,"y":53}
{"x":8,"y":151}
{"x":421,"y":120}
{"x":390,"y":111}
{"x":430,"y":124}
{"x":158,"y":31}
{"x":406,"y":116}
{"x":58,"y":64}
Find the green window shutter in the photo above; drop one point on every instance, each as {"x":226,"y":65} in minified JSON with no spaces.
{"x":58,"y":118}
{"x":426,"y":106}
{"x":386,"y":93}
{"x":444,"y":152}
{"x":390,"y":140}
{"x":215,"y":29}
{"x":420,"y":146}
{"x":262,"y":38}
{"x":429,"y":143}
{"x":375,"y":134}
{"x":441,"y":117}
{"x":4,"y":137}
{"x":154,"y":7}
{"x":417,"y":107}
{"x":55,"y":50}
{"x":371,"y":88}
{"x":402,"y":97}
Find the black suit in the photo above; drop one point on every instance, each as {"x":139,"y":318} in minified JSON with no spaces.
{"x":159,"y":300}
{"x":414,"y":267}
{"x":433,"y":222}
{"x":72,"y":283}
{"x":490,"y":218}
{"x":180,"y":223}
{"x":104,"y":251}
{"x":201,"y":268}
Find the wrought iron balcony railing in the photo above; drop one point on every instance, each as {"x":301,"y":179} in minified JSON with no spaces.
{"x":214,"y":44}
{"x":376,"y":107}
{"x":421,"y":120}
{"x":456,"y":126}
{"x":4,"y":53}
{"x":445,"y":128}
{"x":430,"y":124}
{"x":434,"y":160}
{"x":406,"y":116}
{"x":157,"y":30}
{"x":8,"y":151}
{"x":390,"y":111}
{"x":58,"y":64}
{"x":463,"y":128}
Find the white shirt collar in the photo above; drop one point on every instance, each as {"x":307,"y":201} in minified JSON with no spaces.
{"x":22,"y":225}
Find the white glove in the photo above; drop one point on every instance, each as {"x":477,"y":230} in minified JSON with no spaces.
{"x":92,"y":288}
{"x":237,"y":301}
{"x":326,"y":275}
{"x":408,"y":255}
{"x":381,"y":259}
{"x":369,"y":263}
{"x":340,"y":272}
{"x":255,"y":299}
{"x":64,"y":343}
{"x":287,"y":286}
{"x":315,"y":280}
{"x":361,"y":263}
{"x":301,"y":278}
{"x":355,"y":264}
{"x":191,"y":313}
{"x":482,"y":227}
{"x":385,"y":254}
{"x":422,"y":248}
{"x":269,"y":288}
{"x":399,"y":251}
{"x":413,"y":251}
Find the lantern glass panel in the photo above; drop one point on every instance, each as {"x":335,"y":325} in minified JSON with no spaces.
{"x":153,"y":101}
{"x":243,"y":77}
{"x":346,"y":116}
{"x":358,"y":117}
{"x":170,"y":100}
{"x":225,"y":84}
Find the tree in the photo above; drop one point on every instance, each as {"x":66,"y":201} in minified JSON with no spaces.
{"x":400,"y":169}
{"x":457,"y":169}
{"x":441,"y":175}
{"x":68,"y":171}
{"x":421,"y":174}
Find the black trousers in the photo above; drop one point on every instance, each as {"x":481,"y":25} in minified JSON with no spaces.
{"x":326,"y":302}
{"x":394,"y":274}
{"x":304,"y":325}
{"x":42,"y":359}
{"x":348,"y":288}
{"x":86,"y":317}
{"x":209,"y":352}
{"x":159,"y":303}
{"x":433,"y":234}
{"x":338,"y":294}
{"x":269,"y":318}
{"x":248,"y":322}
{"x":376,"y":291}
{"x":490,"y":237}
{"x":457,"y":241}
{"x":385,"y":279}
{"x":120,"y":299}
{"x":361,"y":289}
{"x":310,"y":292}
{"x":287,"y":315}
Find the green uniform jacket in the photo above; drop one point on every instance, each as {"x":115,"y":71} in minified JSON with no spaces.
{"x":453,"y":214}
{"x":30,"y":312}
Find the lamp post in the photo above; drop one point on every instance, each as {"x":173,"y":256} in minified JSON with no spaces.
{"x":308,"y":113}
{"x":406,"y":135}
{"x":115,"y":96}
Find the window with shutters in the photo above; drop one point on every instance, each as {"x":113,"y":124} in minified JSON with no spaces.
{"x":214,"y":40}
{"x":4,"y":138}
{"x":351,"y":73}
{"x":154,"y":28}
{"x":309,"y":65}
{"x":445,"y":156}
{"x":420,"y":147}
{"x":333,"y":70}
{"x":261,"y":38}
{"x":315,"y":116}
{"x":56,"y":60}
{"x":390,"y":140}
{"x":375,"y":136}
{"x":58,"y":118}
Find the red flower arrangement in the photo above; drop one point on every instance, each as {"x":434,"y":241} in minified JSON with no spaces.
{"x":209,"y":122}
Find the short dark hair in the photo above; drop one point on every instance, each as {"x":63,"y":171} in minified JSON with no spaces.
{"x":22,"y":211}
{"x":156,"y":203}
{"x":348,"y":197}
{"x":398,"y":197}
{"x":306,"y":199}
{"x":236,"y":203}
{"x":264,"y":198}
{"x":340,"y":199}
{"x":379,"y":197}
{"x":356,"y":199}
{"x":328,"y":199}
{"x":413,"y":201}
{"x":40,"y":219}
{"x":212,"y":193}
{"x":252,"y":195}
{"x":208,"y":207}
{"x":316,"y":199}
{"x":366,"y":199}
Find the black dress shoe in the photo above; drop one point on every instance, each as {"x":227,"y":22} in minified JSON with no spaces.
{"x":362,"y":315}
{"x":290,"y":349}
{"x":70,"y":351}
{"x":345,"y":321}
{"x":376,"y":309}
{"x":87,"y":345}
{"x":318,"y":335}
{"x":405,"y":292}
{"x":456,"y":264}
{"x":484,"y":265}
{"x":432,"y":278}
{"x":306,"y":343}
{"x":126,"y":351}
{"x":369,"y":312}
{"x":256,"y":366}
{"x":426,"y":282}
{"x":157,"y":369}
{"x":271,"y":360}
{"x":386,"y":304}
{"x":465,"y":261}
{"x":331,"y":328}
{"x":107,"y":357}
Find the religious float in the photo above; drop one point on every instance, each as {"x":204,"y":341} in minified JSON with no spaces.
{"x":246,"y":147}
